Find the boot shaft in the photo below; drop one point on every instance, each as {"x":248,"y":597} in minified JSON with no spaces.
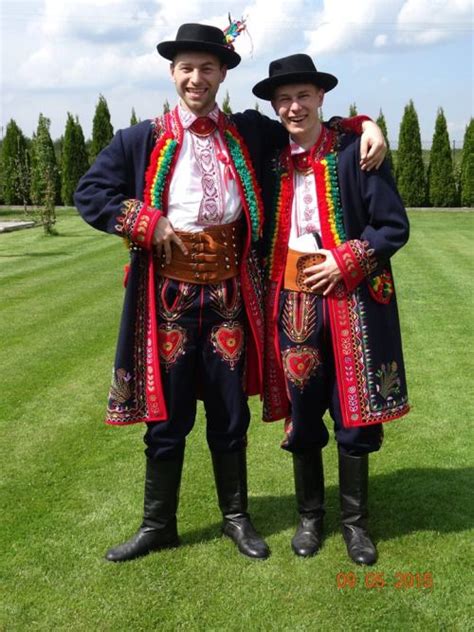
{"x":309,"y":482}
{"x":230,"y":473}
{"x":162,"y":484}
{"x":353,"y":489}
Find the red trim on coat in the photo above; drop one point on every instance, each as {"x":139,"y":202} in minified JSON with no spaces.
{"x":144,"y":227}
{"x":348,"y":264}
{"x":156,"y":404}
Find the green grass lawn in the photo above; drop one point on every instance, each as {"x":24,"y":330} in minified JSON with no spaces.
{"x":72,"y":486}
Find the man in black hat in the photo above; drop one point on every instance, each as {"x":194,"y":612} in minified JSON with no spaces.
{"x":332,"y":330}
{"x":183,"y":191}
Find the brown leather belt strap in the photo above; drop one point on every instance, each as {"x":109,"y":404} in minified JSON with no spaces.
{"x":296,"y":263}
{"x":214,"y":255}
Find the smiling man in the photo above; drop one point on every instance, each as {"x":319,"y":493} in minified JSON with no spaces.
{"x":183,"y":191}
{"x":332,"y":331}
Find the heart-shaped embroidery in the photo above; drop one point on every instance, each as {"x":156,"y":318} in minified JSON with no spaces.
{"x":228,"y":341}
{"x":171,"y":342}
{"x":300,"y":363}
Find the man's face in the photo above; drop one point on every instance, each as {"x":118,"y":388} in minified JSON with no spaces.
{"x":297,"y":106}
{"x":197,"y":77}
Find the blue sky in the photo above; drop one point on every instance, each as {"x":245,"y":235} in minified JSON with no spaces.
{"x":59,"y":55}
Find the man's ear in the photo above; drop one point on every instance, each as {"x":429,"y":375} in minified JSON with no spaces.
{"x":223,"y":73}
{"x":321,"y":97}
{"x":172,"y":70}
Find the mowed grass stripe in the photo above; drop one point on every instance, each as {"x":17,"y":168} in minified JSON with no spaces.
{"x":436,"y":293}
{"x":68,"y":270}
{"x":47,"y":342}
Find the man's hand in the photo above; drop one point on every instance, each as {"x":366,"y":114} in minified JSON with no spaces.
{"x":164,"y":236}
{"x":323,"y":276}
{"x":372,"y":146}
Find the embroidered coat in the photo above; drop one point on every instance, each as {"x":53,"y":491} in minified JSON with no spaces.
{"x":364,"y":223}
{"x":125,"y":192}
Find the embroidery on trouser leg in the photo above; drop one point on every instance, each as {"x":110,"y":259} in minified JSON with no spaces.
{"x":171,"y":342}
{"x":299,"y":316}
{"x":228,"y":341}
{"x":228,"y":304}
{"x":300,"y":364}
{"x":183,"y":296}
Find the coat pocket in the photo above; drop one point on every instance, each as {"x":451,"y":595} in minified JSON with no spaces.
{"x":381,"y":286}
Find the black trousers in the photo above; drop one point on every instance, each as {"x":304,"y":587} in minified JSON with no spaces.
{"x":308,"y":362}
{"x":202,"y":335}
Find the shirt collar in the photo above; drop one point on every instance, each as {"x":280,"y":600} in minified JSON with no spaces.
{"x":187,"y":118}
{"x":295,"y":148}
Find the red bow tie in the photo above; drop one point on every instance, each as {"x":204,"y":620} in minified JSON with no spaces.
{"x":302,"y":162}
{"x":202,"y":126}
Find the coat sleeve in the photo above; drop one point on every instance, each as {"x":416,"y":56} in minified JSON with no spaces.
{"x":374,"y":212}
{"x":110,"y":195}
{"x":262,"y":134}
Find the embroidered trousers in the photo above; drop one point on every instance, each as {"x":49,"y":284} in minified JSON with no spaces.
{"x":308,"y":362}
{"x":201,"y":337}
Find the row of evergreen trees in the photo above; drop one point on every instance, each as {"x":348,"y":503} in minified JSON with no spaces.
{"x":440,"y":184}
{"x":32,"y":172}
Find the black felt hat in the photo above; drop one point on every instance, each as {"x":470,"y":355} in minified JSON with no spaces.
{"x":293,"y":69}
{"x":203,"y":38}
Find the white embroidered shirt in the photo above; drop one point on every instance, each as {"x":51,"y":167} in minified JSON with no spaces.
{"x":304,"y":211}
{"x":202,"y":190}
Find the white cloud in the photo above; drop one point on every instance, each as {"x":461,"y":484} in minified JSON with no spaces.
{"x":81,"y":43}
{"x":380,"y":41}
{"x":424,"y":22}
{"x":369,"y":24}
{"x":270,"y":24}
{"x":88,"y":43}
{"x":95,"y":21}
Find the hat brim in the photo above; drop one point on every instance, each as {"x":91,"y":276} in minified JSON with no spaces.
{"x":265,"y":89}
{"x":169,"y":50}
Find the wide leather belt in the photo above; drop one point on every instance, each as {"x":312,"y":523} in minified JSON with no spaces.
{"x":296,"y":263}
{"x":214,"y":255}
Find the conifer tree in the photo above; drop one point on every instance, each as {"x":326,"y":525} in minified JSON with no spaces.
{"x":23,"y":175}
{"x":410,"y":169}
{"x":45,"y":183}
{"x":353,"y":109}
{"x":257,"y":106}
{"x":102,"y":130}
{"x":226,"y":104}
{"x":441,"y":181}
{"x":383,"y":126}
{"x":74,"y":161}
{"x":166,"y":107}
{"x":15,"y":165}
{"x":467,"y":167}
{"x":133,"y":119}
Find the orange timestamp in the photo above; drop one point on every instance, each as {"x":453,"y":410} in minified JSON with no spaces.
{"x":378,"y":579}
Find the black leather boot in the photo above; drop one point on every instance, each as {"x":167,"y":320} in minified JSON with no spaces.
{"x":309,"y":489}
{"x":353,"y":492}
{"x":158,"y":529}
{"x":230,"y":472}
